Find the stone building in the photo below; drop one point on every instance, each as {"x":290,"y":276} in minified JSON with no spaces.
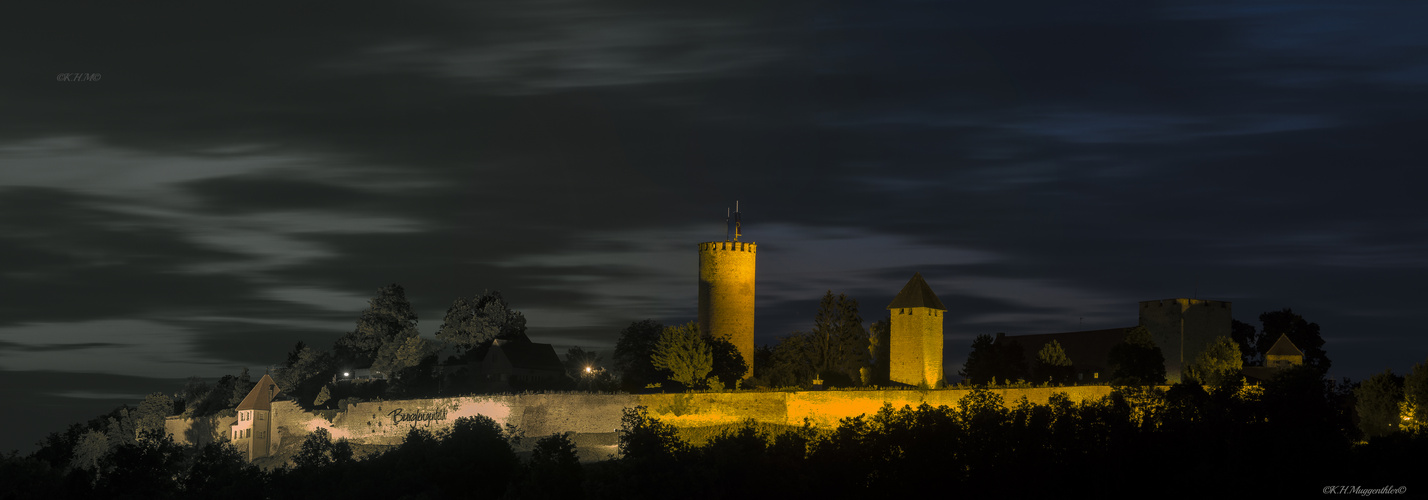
{"x":252,"y":433}
{"x":1180,"y":327}
{"x":1282,"y":355}
{"x":915,"y":350}
{"x":726,"y":294}
{"x":1183,"y":327}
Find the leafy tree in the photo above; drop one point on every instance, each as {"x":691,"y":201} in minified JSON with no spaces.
{"x":632,"y":354}
{"x":982,"y":361}
{"x":1220,"y":363}
{"x":90,"y":450}
{"x":388,"y":318}
{"x":553,"y":471}
{"x":787,"y":364}
{"x":1377,"y":403}
{"x":308,"y":372}
{"x":643,"y":438}
{"x":1052,"y":364}
{"x":152,"y":411}
{"x":473,"y":322}
{"x":241,"y":386}
{"x":1137,"y":360}
{"x":1303,"y":334}
{"x":398,"y":355}
{"x":684,"y":355}
{"x":1415,"y":398}
{"x":880,"y":343}
{"x":318,"y":450}
{"x":220,"y":471}
{"x":729,"y":365}
{"x":838,"y":346}
{"x":1247,"y":337}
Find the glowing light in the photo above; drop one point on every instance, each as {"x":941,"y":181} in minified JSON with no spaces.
{"x":587,"y":369}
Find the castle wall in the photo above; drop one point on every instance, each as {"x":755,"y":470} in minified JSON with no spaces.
{"x":592,"y":418}
{"x":915,"y":353}
{"x":1183,"y":327}
{"x":726,"y":294}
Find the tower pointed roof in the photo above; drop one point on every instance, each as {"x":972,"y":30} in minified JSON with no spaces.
{"x":1283,"y":347}
{"x":261,"y":397}
{"x":916,"y":293}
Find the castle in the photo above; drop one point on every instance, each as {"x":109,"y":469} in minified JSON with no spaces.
{"x":726,"y":310}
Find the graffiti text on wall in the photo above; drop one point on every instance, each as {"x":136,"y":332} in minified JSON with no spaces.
{"x":398,"y":416}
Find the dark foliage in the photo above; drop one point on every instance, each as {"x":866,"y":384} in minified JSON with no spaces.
{"x":632,"y":355}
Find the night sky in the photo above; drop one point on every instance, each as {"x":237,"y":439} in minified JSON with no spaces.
{"x":242,"y":177}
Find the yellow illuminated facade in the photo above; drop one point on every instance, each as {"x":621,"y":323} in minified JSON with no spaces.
{"x":726,"y":294}
{"x":915,"y":350}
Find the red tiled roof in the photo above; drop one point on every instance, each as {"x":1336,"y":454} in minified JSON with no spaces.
{"x":261,"y":397}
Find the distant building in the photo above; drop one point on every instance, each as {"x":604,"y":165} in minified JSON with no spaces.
{"x":520,"y":363}
{"x":359,"y":375}
{"x":252,"y":433}
{"x":1181,"y":329}
{"x":915,"y":350}
{"x":1282,"y":355}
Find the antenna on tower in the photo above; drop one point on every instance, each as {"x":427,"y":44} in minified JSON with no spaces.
{"x":737,"y":231}
{"x":727,"y":215}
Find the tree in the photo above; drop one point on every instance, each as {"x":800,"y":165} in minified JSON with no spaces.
{"x":473,"y":322}
{"x":1303,"y":334}
{"x":1245,"y":335}
{"x":837,"y":347}
{"x":398,"y":355}
{"x":318,"y":450}
{"x":787,"y":365}
{"x":152,"y":412}
{"x":1220,"y":363}
{"x":241,"y":386}
{"x":553,"y":471}
{"x":1137,"y":360}
{"x":1052,"y":364}
{"x":1414,"y":410}
{"x":880,"y":343}
{"x":309,"y":370}
{"x":684,"y":355}
{"x":982,"y":362}
{"x":729,"y":366}
{"x":632,"y":354}
{"x":1377,"y":403}
{"x":387,"y":319}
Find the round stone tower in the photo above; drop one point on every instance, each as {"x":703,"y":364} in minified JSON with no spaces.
{"x":726,"y":294}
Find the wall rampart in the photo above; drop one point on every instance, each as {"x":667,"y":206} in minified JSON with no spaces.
{"x":594,"y":418}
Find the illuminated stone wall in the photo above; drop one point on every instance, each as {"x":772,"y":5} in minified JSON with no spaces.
{"x":915,"y":354}
{"x":593,"y":418}
{"x":726,"y":294}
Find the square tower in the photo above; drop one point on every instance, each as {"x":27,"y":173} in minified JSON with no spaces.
{"x":253,"y":432}
{"x":915,"y":353}
{"x":1182,"y":328}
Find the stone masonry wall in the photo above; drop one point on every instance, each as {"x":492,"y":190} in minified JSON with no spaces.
{"x":594,"y":418}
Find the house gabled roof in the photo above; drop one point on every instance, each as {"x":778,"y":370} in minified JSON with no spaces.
{"x":526,"y":355}
{"x":916,"y":293}
{"x":261,"y":397}
{"x":1283,"y":347}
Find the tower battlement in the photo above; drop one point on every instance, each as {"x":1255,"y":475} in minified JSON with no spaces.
{"x":729,"y":246}
{"x":726,"y":295}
